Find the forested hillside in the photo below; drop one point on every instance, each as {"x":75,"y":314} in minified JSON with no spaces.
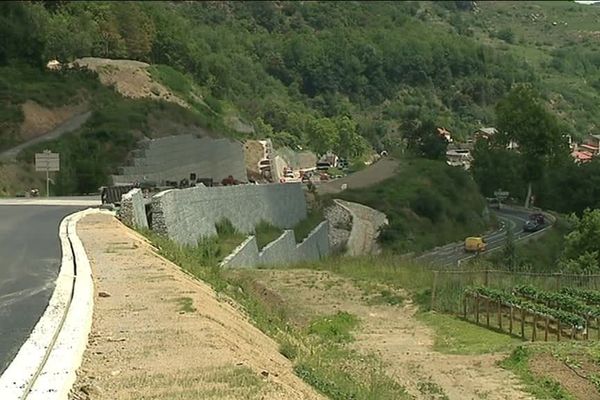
{"x":325,"y":75}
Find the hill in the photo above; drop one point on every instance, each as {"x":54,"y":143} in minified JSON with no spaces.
{"x":322,"y":75}
{"x":427,"y":203}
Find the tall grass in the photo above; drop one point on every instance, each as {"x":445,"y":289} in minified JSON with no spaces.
{"x":265,"y":233}
{"x":304,"y":227}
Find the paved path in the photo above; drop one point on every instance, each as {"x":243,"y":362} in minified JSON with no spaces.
{"x":29,"y":262}
{"x":68,"y":126}
{"x":374,"y":173}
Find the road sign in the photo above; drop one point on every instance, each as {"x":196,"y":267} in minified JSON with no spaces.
{"x":47,"y":161}
{"x":501,"y":195}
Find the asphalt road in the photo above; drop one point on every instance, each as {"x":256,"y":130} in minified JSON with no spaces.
{"x":451,"y":254}
{"x":30,"y":256}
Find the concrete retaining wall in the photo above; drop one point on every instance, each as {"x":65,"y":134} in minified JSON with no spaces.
{"x":282,"y":250}
{"x":174,"y":158}
{"x":246,"y":254}
{"x":185,"y":215}
{"x":133,"y":210}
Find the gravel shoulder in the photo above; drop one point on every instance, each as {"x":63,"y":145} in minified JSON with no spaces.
{"x":157,"y":333}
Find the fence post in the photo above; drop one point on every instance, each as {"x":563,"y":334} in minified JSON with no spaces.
{"x":486,"y":278}
{"x":477,"y":309}
{"x":434,"y":286}
{"x":523,"y":323}
{"x":557,"y":275}
{"x":487,"y":312}
{"x":587,"y":327}
{"x":499,"y":314}
{"x":533,"y":334}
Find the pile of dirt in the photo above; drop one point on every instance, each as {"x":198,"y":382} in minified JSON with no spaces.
{"x":130,"y":78}
{"x":38,"y":119}
{"x":158,"y":333}
{"x":254,"y":151}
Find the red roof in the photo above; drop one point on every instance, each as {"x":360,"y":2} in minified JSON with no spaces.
{"x":582,"y":155}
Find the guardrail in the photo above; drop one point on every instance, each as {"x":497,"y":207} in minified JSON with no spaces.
{"x":45,"y":366}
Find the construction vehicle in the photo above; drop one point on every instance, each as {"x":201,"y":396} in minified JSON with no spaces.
{"x":475,"y":244}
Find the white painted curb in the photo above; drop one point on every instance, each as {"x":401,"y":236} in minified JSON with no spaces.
{"x":45,"y":366}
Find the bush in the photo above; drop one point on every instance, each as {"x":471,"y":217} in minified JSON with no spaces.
{"x":506,"y":34}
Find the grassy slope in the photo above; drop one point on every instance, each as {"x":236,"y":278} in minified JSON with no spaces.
{"x":90,"y":154}
{"x":427,"y":204}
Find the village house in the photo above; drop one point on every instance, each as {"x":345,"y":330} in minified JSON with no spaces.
{"x":487,"y":133}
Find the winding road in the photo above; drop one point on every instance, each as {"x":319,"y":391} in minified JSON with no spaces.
{"x":30,"y":254}
{"x":453,"y":254}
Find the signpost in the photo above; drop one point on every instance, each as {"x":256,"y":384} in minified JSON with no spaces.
{"x":501,"y":195}
{"x":48,"y":162}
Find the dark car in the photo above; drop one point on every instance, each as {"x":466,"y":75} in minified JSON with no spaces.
{"x":534,"y":223}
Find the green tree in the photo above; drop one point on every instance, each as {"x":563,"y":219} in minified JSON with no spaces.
{"x":136,"y":28}
{"x":350,"y":143}
{"x":583,"y":239}
{"x":495,"y":167}
{"x":323,"y":135}
{"x":522,"y":118}
{"x":509,"y":252}
{"x":422,"y":138}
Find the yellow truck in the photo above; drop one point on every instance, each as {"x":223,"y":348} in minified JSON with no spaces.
{"x":475,"y":244}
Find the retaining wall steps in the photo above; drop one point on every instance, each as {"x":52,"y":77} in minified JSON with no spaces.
{"x":281,"y":251}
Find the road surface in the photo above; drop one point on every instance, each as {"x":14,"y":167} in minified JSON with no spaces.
{"x":452,"y":254}
{"x":379,"y":171}
{"x":30,"y":255}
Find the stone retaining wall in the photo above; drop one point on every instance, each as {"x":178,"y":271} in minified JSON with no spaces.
{"x":185,"y":215}
{"x":133,"y":210}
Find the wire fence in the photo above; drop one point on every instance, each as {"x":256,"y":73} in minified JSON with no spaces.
{"x":448,"y":287}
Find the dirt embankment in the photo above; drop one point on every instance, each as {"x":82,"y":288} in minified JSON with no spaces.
{"x":159,"y":334}
{"x":130,"y":78}
{"x":37,"y":119}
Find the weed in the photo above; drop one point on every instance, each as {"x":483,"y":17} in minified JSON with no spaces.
{"x":186,"y":304}
{"x":386,"y":297}
{"x":334,"y":328}
{"x":304,"y":227}
{"x":265,"y":233}
{"x":432,"y":390}
{"x":288,"y":350}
